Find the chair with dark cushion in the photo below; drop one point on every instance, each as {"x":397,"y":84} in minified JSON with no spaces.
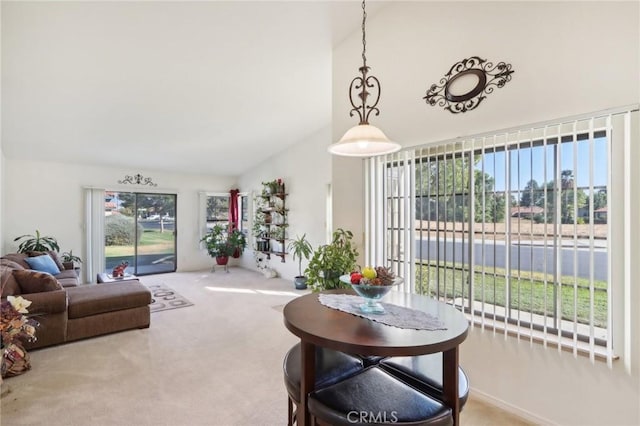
{"x":376,"y":397}
{"x":424,"y":372}
{"x":331,"y":367}
{"x":370,"y":360}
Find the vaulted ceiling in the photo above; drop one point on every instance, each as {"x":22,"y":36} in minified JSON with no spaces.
{"x":197,"y":87}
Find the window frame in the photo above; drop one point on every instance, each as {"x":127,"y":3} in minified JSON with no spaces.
{"x":622,"y":121}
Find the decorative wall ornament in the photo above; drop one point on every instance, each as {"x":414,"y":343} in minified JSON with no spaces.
{"x":489,"y":77}
{"x":137,"y":179}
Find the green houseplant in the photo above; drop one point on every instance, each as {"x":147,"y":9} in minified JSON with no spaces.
{"x":300,"y":248}
{"x":36,"y":243}
{"x":69,"y":261}
{"x":332,"y":260}
{"x":275,"y":186}
{"x":217,"y":244}
{"x":238,"y":241}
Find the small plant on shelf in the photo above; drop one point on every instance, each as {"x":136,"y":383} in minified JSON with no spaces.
{"x":273,"y":187}
{"x":260,"y":203}
{"x":70,"y":260}
{"x":278,"y":232}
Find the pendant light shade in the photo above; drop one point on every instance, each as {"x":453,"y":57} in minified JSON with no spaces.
{"x":364,"y":140}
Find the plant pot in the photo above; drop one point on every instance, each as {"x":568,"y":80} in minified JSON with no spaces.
{"x":236,"y":253}
{"x":331,"y":279}
{"x":300,"y":282}
{"x":222,"y":260}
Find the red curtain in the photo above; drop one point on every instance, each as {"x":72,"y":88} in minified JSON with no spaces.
{"x":233,"y":209}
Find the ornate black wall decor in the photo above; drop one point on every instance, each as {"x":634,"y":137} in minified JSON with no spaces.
{"x":489,"y":76}
{"x":137,"y":179}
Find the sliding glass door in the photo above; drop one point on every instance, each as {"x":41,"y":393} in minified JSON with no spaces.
{"x":140,"y":229}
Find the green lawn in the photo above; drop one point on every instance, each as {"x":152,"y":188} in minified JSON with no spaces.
{"x":527,"y":291}
{"x":151,"y":242}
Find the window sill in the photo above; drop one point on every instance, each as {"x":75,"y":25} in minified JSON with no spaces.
{"x":578,"y":348}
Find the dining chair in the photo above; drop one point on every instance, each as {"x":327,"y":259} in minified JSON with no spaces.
{"x":370,"y":360}
{"x":374,"y":397}
{"x":424,"y":372}
{"x":331,"y":367}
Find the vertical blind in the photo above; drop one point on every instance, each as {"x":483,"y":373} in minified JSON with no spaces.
{"x":94,"y":233}
{"x":512,"y":227}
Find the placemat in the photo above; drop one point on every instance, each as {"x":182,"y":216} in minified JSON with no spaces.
{"x":394,"y":315}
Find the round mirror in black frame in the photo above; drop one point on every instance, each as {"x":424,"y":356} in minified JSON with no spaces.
{"x":489,"y":76}
{"x":475,"y":91}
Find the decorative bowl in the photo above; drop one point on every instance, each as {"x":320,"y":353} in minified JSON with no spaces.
{"x":371,"y":294}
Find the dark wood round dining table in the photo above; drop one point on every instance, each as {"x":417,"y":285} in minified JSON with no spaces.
{"x":319,"y":325}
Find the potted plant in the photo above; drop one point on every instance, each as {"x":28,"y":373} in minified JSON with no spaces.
{"x":300,"y":248}
{"x":238,"y":241}
{"x":217,"y":244}
{"x":332,"y":260}
{"x":36,"y":243}
{"x":272,"y":187}
{"x":69,"y":261}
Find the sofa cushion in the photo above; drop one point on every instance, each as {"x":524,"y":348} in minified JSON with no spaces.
{"x":93,"y":299}
{"x":67,"y":278}
{"x":35,"y":282}
{"x":9,"y":284}
{"x":53,"y":255}
{"x":43,"y":263}
{"x":46,"y":302}
{"x":10,"y":263}
{"x":18,"y":258}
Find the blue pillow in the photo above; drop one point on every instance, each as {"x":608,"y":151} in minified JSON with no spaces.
{"x":43,"y":263}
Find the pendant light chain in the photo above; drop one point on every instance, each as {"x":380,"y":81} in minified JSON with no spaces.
{"x":364,"y":140}
{"x":364,"y":33}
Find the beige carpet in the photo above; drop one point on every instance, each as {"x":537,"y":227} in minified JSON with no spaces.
{"x":218,"y":362}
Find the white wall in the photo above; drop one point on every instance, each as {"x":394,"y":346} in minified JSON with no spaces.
{"x":48,"y":197}
{"x":569,"y":58}
{"x":306,"y":170}
{"x":1,"y":153}
{"x":2,"y":180}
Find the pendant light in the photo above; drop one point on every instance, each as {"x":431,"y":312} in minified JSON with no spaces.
{"x":364,"y":140}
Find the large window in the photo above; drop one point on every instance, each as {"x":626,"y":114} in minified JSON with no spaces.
{"x":534,"y":223}
{"x":140,"y":229}
{"x":217,"y":210}
{"x":512,"y":228}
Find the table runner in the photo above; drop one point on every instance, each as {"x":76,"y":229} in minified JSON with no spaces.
{"x":394,"y":315}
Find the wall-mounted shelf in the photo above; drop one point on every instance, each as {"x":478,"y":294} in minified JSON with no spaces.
{"x":271,"y":220}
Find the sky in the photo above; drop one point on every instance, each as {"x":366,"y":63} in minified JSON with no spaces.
{"x":529,"y":163}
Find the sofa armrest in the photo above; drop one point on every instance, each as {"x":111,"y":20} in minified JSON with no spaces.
{"x":47,"y":302}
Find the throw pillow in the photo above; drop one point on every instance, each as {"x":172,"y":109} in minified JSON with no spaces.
{"x":9,"y":284}
{"x":11,"y":264}
{"x":18,"y":258}
{"x":43,"y":263}
{"x":35,"y":282}
{"x":53,"y":255}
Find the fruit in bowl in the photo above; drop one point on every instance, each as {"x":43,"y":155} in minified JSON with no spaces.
{"x":372,"y":284}
{"x":373,"y":276}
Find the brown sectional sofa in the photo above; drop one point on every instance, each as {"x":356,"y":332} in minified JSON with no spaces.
{"x":66,"y":277}
{"x":67,"y":311}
